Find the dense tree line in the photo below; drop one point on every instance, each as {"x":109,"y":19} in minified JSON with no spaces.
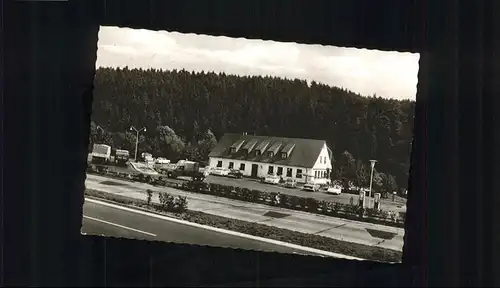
{"x":186,"y":112}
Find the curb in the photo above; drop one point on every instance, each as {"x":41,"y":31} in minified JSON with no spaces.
{"x":228,"y":232}
{"x":264,"y":205}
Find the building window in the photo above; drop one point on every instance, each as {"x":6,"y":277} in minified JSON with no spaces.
{"x":316,"y":174}
{"x":257,"y":152}
{"x":233,"y":150}
{"x":231,"y":165}
{"x":299,"y":173}
{"x":270,"y":170}
{"x":242,"y":166}
{"x":219,"y":163}
{"x":280,"y":171}
{"x":270,"y":154}
{"x":288,"y":172}
{"x":283,"y":155}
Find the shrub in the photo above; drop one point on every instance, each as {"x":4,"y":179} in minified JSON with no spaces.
{"x":354,"y":210}
{"x":213,"y":188}
{"x":324,"y":206}
{"x":221,"y":189}
{"x":311,"y":204}
{"x":301,"y":203}
{"x":402,"y":216}
{"x":236,"y":193}
{"x":244,"y":194}
{"x":384,"y":215}
{"x":270,"y":198}
{"x":166,"y":200}
{"x":393,"y":216}
{"x":150,"y":195}
{"x":230,"y":192}
{"x":91,"y":169}
{"x":337,"y":207}
{"x":286,"y":201}
{"x":169,"y":203}
{"x":372,"y":213}
{"x":249,"y":195}
{"x":180,"y":204}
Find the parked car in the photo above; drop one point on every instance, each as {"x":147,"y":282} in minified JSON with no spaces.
{"x":161,"y":160}
{"x":235,"y":173}
{"x":337,"y":190}
{"x":272,"y":179}
{"x":311,"y":187}
{"x":219,"y":171}
{"x":290,"y":183}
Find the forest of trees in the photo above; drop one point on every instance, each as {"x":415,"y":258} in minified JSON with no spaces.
{"x":186,"y":112}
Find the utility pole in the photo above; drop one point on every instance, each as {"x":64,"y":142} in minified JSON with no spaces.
{"x":132,"y":128}
{"x":102,"y":132}
{"x":372,"y":162}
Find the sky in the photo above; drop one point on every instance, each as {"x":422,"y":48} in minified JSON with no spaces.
{"x":367,"y":72}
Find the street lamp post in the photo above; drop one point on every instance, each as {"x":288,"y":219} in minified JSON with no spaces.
{"x":100,"y":134}
{"x":132,"y":128}
{"x":372,"y":162}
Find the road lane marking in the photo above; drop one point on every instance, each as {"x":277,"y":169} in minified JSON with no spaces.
{"x":118,"y":225}
{"x":228,"y":232}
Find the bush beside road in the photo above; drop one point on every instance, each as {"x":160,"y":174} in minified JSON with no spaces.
{"x":177,"y":207}
{"x":311,"y":205}
{"x":344,"y":198}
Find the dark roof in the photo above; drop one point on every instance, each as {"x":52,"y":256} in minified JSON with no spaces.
{"x":304,"y":152}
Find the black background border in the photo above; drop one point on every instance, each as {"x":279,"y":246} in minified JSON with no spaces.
{"x":49,"y":52}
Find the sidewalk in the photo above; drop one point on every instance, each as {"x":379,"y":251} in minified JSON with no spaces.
{"x":336,"y":228}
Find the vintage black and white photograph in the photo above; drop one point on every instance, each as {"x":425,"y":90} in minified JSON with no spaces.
{"x":250,"y":144}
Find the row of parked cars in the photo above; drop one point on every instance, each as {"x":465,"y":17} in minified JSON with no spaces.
{"x":292,"y":183}
{"x":277,"y":180}
{"x":219,"y":171}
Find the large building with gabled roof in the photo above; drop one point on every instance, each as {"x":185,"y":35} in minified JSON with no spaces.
{"x":305,"y":160}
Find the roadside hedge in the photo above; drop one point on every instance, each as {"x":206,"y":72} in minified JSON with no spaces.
{"x":333,"y":209}
{"x":328,"y":208}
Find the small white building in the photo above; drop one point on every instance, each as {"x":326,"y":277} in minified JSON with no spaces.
{"x":305,"y":160}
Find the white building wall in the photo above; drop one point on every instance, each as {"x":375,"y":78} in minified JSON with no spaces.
{"x":323,"y":162}
{"x":263,"y":168}
{"x":322,"y":165}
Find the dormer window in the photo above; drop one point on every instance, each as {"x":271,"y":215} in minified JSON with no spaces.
{"x":287,"y":150}
{"x":270,"y":154}
{"x":257,"y":152}
{"x":236,"y":146}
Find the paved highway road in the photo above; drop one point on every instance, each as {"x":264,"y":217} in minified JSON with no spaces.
{"x":336,"y":228}
{"x":103,"y":220}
